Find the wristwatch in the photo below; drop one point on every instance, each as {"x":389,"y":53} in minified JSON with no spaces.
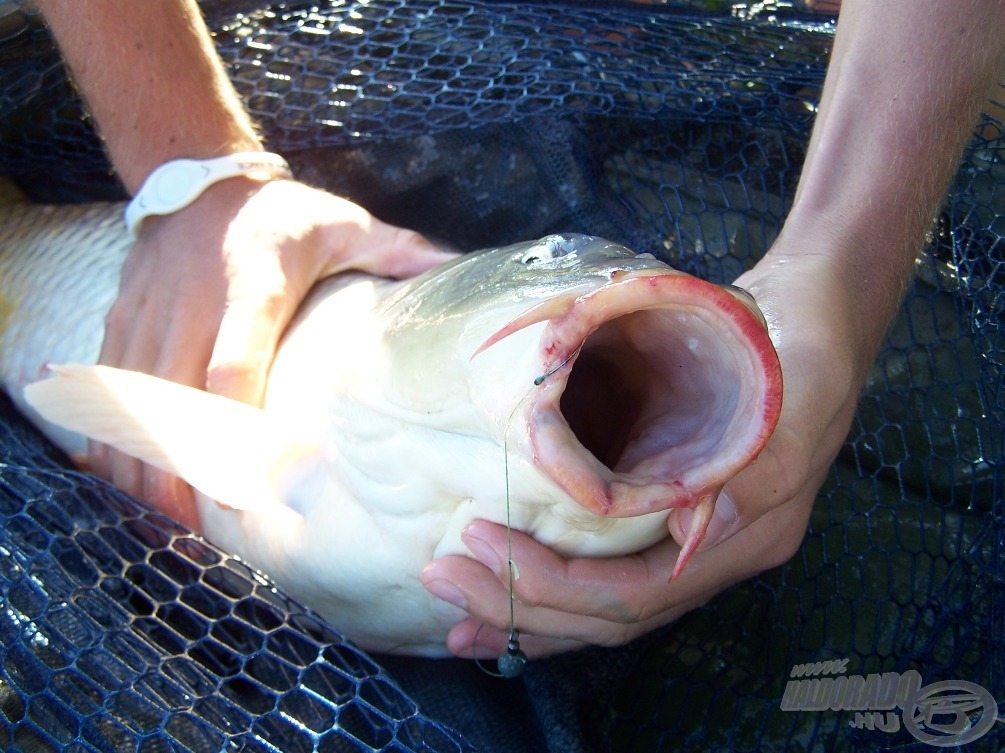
{"x":176,"y":184}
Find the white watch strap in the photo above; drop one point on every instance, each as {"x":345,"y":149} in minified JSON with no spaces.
{"x":176,"y":184}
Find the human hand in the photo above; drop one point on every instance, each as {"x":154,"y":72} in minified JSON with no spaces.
{"x":206,"y":293}
{"x":760,"y":517}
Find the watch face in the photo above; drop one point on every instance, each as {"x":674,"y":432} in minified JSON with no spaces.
{"x":177,"y":184}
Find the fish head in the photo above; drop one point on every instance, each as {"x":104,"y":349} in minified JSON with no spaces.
{"x":434,"y":326}
{"x":634,"y":387}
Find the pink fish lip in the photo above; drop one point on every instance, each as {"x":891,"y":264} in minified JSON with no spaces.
{"x":655,"y":389}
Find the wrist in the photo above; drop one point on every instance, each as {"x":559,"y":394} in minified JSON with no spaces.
{"x":871,"y":254}
{"x":178,"y":183}
{"x":843,"y":281}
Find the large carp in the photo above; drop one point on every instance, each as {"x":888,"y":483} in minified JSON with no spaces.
{"x":567,"y":383}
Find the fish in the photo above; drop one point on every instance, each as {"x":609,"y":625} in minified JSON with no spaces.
{"x":565,"y":386}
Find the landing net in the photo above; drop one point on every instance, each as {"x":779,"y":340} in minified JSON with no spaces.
{"x":674,"y":129}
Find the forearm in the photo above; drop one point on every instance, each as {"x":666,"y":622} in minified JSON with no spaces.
{"x":903,"y":92}
{"x":152,"y":81}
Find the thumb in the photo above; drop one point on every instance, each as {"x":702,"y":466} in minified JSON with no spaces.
{"x":387,"y":251}
{"x":419,"y":255}
{"x":713,"y":520}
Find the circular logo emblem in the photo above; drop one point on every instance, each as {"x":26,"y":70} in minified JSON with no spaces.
{"x":950,"y":713}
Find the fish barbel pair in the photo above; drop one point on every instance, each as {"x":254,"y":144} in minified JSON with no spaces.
{"x":618,"y":388}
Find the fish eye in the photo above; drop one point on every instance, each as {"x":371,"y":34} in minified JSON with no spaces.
{"x":548,"y":249}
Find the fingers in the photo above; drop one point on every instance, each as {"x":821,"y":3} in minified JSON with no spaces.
{"x":379,"y":248}
{"x":572,"y":601}
{"x":560,"y":604}
{"x":171,"y":295}
{"x":174,"y":354}
{"x":542,"y":629}
{"x":540,"y":571}
{"x":409,"y":253}
{"x":246,"y":344}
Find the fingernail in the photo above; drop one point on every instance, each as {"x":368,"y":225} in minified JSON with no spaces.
{"x":485,"y":554}
{"x":723,"y":524}
{"x":448,"y":592}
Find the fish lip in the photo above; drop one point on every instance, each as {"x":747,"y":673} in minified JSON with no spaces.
{"x":649,"y":486}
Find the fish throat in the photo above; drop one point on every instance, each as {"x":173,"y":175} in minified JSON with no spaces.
{"x":605,"y":396}
{"x":656,"y":386}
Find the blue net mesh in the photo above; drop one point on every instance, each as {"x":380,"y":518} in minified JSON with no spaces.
{"x":123,"y":632}
{"x":675,"y":129}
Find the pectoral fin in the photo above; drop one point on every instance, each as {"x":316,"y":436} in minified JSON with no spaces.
{"x":234,"y":453}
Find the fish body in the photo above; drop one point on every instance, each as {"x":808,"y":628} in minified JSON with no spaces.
{"x":532,"y":383}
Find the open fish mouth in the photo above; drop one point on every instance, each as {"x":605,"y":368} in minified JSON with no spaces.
{"x":656,"y":388}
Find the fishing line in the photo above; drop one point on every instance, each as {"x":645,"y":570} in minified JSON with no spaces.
{"x":511,"y":662}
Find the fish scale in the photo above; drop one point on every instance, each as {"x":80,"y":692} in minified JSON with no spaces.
{"x":59,"y":273}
